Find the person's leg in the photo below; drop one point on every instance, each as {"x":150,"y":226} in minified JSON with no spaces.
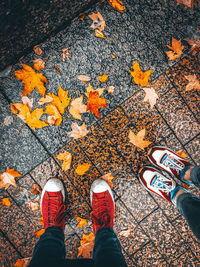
{"x":107,"y":249}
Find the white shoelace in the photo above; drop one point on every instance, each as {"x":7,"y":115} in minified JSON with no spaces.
{"x":160,"y":183}
{"x":173,"y":163}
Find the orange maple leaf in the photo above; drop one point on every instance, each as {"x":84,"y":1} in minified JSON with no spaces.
{"x":8,"y":178}
{"x":6,"y":201}
{"x":95,"y":103}
{"x":82,"y":222}
{"x":138,"y":140}
{"x":82,"y":168}
{"x":177,"y":49}
{"x":86,"y":245}
{"x":103,"y":78}
{"x":31,"y":80}
{"x":117,"y":4}
{"x":98,"y":21}
{"x":140,"y":77}
{"x":194,"y":83}
{"x":39,"y":233}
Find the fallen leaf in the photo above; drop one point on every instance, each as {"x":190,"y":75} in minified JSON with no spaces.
{"x":37,"y":50}
{"x":95,"y":103}
{"x":38,"y":64}
{"x":23,"y":262}
{"x":78,"y":131}
{"x":35,"y":189}
{"x":65,"y":54}
{"x":140,"y":77}
{"x":6,"y":201}
{"x":117,"y":4}
{"x":150,"y":96}
{"x":113,"y":56}
{"x":31,"y":80}
{"x":61,"y":101}
{"x":98,"y":21}
{"x":82,"y":168}
{"x":8,"y":178}
{"x":86,"y":245}
{"x":186,"y":3}
{"x":99,"y":34}
{"x":110,"y":89}
{"x":8,"y":120}
{"x":82,"y":222}
{"x":193,"y":82}
{"x":33,"y":205}
{"x":177,"y":49}
{"x":67,"y":160}
{"x":57,"y":69}
{"x":125,"y":233}
{"x":195,"y":45}
{"x":103,"y":78}
{"x":83,"y":78}
{"x":108,"y":178}
{"x":90,"y":89}
{"x":27,"y":101}
{"x":82,"y":16}
{"x":182,"y":154}
{"x":77,"y":107}
{"x":55,"y":117}
{"x":44,"y":100}
{"x":138,"y":140}
{"x":39,"y":233}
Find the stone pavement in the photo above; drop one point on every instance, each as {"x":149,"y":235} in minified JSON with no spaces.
{"x":159,"y":235}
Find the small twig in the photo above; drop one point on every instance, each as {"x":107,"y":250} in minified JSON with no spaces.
{"x":67,"y":118}
{"x":20,"y":129}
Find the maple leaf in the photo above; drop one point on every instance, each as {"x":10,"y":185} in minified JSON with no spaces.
{"x":37,"y":50}
{"x":177,"y":49}
{"x":99,"y":34}
{"x":195,"y":45}
{"x":78,"y":131}
{"x":108,"y":178}
{"x":83,"y":78}
{"x":65,"y":54}
{"x":193,"y":82}
{"x":67,"y":160}
{"x":23,"y":262}
{"x":90,"y":89}
{"x":38,"y":64}
{"x":55,"y":117}
{"x":6,"y":201}
{"x":44,"y":100}
{"x":117,"y":4}
{"x":77,"y":107}
{"x":27,"y":101}
{"x":138,"y":140}
{"x":82,"y":168}
{"x":8,"y":178}
{"x":181,"y":153}
{"x":150,"y":96}
{"x":86,"y":245}
{"x":103,"y":78}
{"x":39,"y":233}
{"x":111,"y":89}
{"x":95,"y":103}
{"x":140,"y":77}
{"x":186,"y":3}
{"x":61,"y":101}
{"x":31,"y":80}
{"x":35,"y":189}
{"x":98,"y":21}
{"x":82,"y":222}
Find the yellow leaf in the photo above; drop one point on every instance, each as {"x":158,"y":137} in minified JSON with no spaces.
{"x":8,"y":178}
{"x":86,"y":245}
{"x":108,"y":178}
{"x":182,"y":154}
{"x":140,"y":77}
{"x":99,"y":34}
{"x":31,"y":80}
{"x":38,"y":64}
{"x":55,"y":117}
{"x":177,"y":49}
{"x":98,"y":21}
{"x":193,"y":82}
{"x":6,"y":201}
{"x":103,"y":78}
{"x":82,"y":222}
{"x":83,"y":78}
{"x":82,"y":168}
{"x":39,"y":233}
{"x":77,"y":107}
{"x":33,"y":119}
{"x":78,"y":131}
{"x":61,"y":101}
{"x":67,"y":160}
{"x":117,"y":4}
{"x":138,"y":140}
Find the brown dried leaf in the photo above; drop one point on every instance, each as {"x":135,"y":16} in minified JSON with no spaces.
{"x":37,"y":50}
{"x":65,"y":54}
{"x":35,"y":189}
{"x":57,"y":69}
{"x":8,"y":178}
{"x":38,"y":64}
{"x":78,"y":131}
{"x":98,"y":21}
{"x":150,"y":96}
{"x":177,"y":49}
{"x":138,"y":140}
{"x":83,"y":78}
{"x":193,"y":82}
{"x":77,"y":107}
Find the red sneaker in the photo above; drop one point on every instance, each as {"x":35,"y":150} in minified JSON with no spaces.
{"x":52,"y":204}
{"x":169,"y":161}
{"x":103,"y":206}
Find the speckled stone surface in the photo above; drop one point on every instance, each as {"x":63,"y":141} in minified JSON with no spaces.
{"x":158,"y":235}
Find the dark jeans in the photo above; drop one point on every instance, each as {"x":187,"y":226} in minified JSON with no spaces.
{"x":189,"y":205}
{"x":50,"y":250}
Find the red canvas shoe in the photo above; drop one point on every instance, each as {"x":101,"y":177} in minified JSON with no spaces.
{"x":103,"y":206}
{"x":52,"y":204}
{"x":169,"y":161}
{"x":154,"y":181}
